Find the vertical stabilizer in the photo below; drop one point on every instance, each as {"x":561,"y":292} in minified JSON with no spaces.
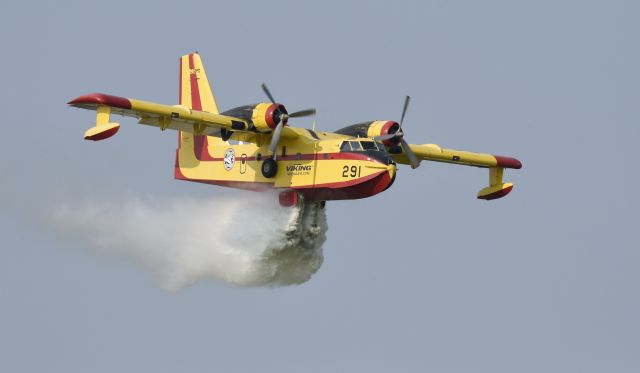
{"x":195,"y":91}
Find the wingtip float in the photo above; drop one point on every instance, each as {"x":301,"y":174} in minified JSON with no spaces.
{"x":357,"y":161}
{"x":498,"y":189}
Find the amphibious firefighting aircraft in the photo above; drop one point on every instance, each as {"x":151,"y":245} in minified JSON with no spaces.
{"x":357,"y":161}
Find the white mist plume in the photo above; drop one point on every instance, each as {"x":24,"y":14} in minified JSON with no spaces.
{"x":249,"y":242}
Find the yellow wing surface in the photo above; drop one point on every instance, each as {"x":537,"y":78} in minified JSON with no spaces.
{"x":197,"y":113}
{"x":176,"y":117}
{"x":495,"y":163}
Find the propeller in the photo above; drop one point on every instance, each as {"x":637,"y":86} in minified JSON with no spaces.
{"x":268,"y":93}
{"x":413,"y":160}
{"x":410,"y":154}
{"x":277,"y":132}
{"x":302,"y":113}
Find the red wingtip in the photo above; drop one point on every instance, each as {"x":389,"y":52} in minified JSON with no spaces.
{"x":508,"y":162}
{"x":101,"y":99}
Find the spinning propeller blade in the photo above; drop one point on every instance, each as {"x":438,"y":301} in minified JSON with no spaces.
{"x":404,"y":109}
{"x":275,"y":138}
{"x":413,"y":160}
{"x":266,"y":91}
{"x":302,"y":113}
{"x":277,"y":132}
{"x":412,"y":157}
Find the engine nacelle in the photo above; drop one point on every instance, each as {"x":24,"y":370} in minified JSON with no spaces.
{"x":384,"y":127}
{"x":262,"y":117}
{"x":266,"y":116}
{"x":373,"y":129}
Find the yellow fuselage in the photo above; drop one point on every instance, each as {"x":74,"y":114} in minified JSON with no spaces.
{"x":311,"y":164}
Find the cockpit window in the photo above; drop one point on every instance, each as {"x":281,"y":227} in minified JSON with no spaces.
{"x":368,"y":145}
{"x":355,"y":146}
{"x":358,"y":146}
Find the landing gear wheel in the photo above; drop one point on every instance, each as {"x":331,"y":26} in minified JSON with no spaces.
{"x":269,"y":168}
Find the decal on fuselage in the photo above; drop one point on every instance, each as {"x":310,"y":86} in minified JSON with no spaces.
{"x":352,"y":171}
{"x":298,"y":169}
{"x":229,"y":159}
{"x":243,"y":163}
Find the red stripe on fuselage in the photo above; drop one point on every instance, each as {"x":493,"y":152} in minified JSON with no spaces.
{"x":379,"y":183}
{"x":202,"y":154}
{"x":353,"y":189}
{"x":343,"y":184}
{"x":255,"y":186}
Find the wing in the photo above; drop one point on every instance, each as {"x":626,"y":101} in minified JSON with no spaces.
{"x":176,"y":117}
{"x":433,"y":152}
{"x":197,"y":112}
{"x":495,"y":163}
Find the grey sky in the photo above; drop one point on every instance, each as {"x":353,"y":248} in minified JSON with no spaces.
{"x":423,"y":277}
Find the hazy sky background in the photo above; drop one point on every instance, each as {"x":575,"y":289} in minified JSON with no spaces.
{"x":422,"y":277}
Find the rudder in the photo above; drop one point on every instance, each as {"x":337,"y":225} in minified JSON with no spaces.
{"x":195,"y":91}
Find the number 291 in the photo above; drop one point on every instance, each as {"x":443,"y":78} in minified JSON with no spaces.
{"x":352,"y":171}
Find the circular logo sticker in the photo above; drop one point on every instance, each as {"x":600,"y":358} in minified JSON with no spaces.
{"x":229,"y":159}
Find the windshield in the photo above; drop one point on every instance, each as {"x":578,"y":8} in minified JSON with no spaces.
{"x":355,"y":146}
{"x":345,"y":147}
{"x":358,"y":146}
{"x":372,"y":149}
{"x":368,"y":145}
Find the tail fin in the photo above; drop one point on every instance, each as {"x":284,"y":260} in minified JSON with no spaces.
{"x":195,"y":91}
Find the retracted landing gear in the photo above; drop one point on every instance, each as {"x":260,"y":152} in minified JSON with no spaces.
{"x":269,"y":168}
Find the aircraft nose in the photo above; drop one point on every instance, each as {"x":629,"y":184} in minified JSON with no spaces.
{"x":392,"y":171}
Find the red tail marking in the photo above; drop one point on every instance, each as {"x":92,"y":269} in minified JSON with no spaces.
{"x":195,"y":92}
{"x":196,"y":104}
